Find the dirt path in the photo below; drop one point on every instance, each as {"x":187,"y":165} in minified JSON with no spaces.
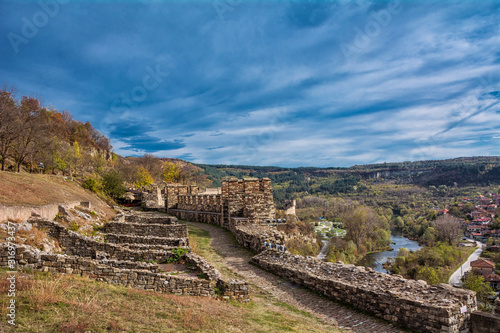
{"x":236,"y":258}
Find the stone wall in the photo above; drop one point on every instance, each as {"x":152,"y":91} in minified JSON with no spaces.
{"x":136,"y":278}
{"x":78,"y":245}
{"x":23,"y":213}
{"x":483,"y":322}
{"x":227,"y":288}
{"x":409,"y":303}
{"x":158,"y":230}
{"x":153,"y":219}
{"x":149,"y":240}
{"x":204,"y":217}
{"x":247,"y":198}
{"x":254,"y":236}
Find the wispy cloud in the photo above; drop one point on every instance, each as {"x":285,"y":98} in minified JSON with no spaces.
{"x":270,"y":84}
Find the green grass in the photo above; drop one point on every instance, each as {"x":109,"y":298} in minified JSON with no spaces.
{"x":466,"y":252}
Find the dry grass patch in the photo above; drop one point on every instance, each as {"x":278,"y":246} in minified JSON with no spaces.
{"x":48,"y":302}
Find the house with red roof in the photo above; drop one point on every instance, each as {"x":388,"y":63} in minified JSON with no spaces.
{"x":485,"y":267}
{"x":494,"y":280}
{"x":481,"y":220}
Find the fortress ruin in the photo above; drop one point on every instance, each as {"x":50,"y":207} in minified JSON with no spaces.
{"x":247,"y":200}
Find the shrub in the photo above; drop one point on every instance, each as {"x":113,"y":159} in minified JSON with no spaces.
{"x":113,"y":184}
{"x":92,"y":184}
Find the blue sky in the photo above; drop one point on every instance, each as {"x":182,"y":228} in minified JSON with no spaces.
{"x":286,"y":83}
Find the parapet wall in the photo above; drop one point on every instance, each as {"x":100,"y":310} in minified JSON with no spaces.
{"x":248,"y":198}
{"x":413,"y":304}
{"x":254,"y":236}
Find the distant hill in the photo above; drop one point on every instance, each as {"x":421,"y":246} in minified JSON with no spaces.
{"x":463,"y":171}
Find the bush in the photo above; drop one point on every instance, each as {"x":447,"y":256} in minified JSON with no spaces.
{"x":92,"y":184}
{"x":113,"y":184}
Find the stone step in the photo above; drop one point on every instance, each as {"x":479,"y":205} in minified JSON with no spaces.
{"x":150,"y":240}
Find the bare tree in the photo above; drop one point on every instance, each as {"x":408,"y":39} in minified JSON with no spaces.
{"x":29,"y":125}
{"x":8,"y":125}
{"x":448,"y":228}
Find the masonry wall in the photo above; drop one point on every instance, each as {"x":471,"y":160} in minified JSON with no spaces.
{"x":483,"y":322}
{"x":413,"y":304}
{"x":150,"y":219}
{"x":24,"y":213}
{"x":78,"y":245}
{"x":254,"y":236}
{"x":149,"y":240}
{"x":158,"y":230}
{"x":228,"y":288}
{"x":250,"y":198}
{"x":136,"y":278}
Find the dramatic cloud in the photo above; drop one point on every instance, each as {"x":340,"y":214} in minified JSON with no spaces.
{"x":298,"y":83}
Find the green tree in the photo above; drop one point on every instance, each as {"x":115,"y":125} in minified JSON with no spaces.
{"x":429,"y":236}
{"x":476,"y":283}
{"x":428,"y":274}
{"x":113,"y":184}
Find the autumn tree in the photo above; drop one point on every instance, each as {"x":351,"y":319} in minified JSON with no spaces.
{"x":171,"y":171}
{"x":143,"y":177}
{"x":8,"y":125}
{"x":448,"y":228}
{"x":29,"y":124}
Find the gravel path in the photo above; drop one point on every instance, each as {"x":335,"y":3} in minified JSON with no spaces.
{"x":236,"y":258}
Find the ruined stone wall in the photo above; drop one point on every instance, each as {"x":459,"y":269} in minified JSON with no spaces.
{"x":23,"y":213}
{"x":253,"y":236}
{"x":413,"y":304}
{"x":228,"y":288}
{"x":205,"y":203}
{"x":150,"y":219}
{"x":158,"y":230}
{"x":250,"y":198}
{"x":150,"y":240}
{"x":204,"y":217}
{"x":78,"y":245}
{"x":483,"y":322}
{"x":136,"y":278}
{"x":172,"y":193}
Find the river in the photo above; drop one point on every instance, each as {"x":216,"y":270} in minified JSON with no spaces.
{"x":376,"y":259}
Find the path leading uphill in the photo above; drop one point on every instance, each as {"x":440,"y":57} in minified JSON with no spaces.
{"x":456,"y":277}
{"x":237,"y":259}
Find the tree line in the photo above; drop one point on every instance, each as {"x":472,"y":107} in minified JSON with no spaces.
{"x":34,"y":137}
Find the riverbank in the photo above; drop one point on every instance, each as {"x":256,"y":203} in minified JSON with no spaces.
{"x":433,"y":264}
{"x":376,"y":260}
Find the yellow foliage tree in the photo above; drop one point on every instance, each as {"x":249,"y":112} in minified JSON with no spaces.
{"x":143,"y":177}
{"x":171,"y":171}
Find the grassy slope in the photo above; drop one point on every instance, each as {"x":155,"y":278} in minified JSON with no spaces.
{"x":67,"y":303}
{"x":25,"y":189}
